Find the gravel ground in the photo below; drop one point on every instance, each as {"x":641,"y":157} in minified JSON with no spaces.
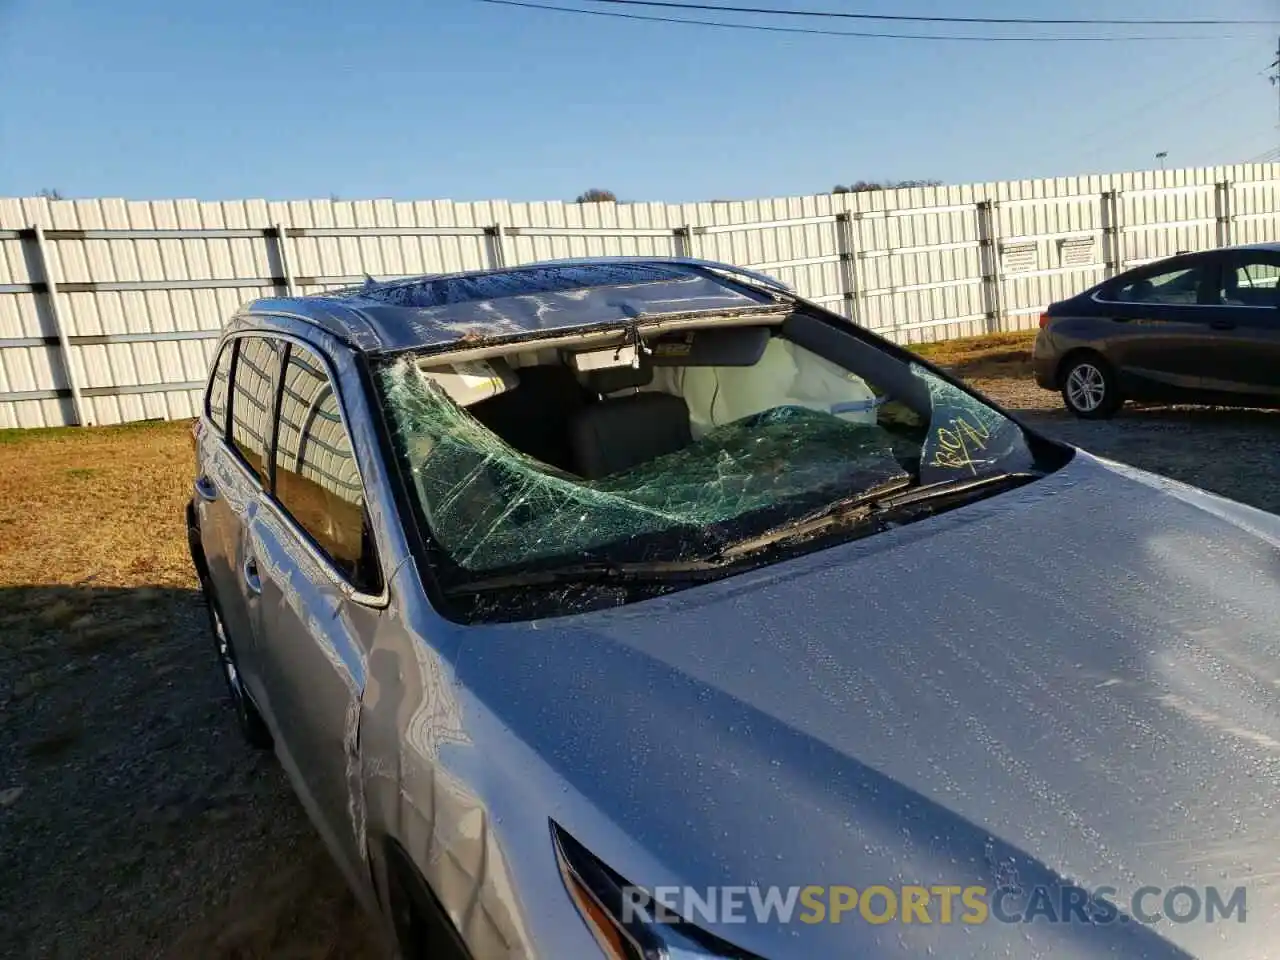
{"x":1230,"y":452}
{"x":133,"y":821}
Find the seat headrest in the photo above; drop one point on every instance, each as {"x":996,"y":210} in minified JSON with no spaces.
{"x":622,"y":432}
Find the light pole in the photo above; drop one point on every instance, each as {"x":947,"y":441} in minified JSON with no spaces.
{"x":1160,"y":157}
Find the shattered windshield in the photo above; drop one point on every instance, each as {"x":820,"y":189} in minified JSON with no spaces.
{"x":490,"y":506}
{"x":764,"y":449}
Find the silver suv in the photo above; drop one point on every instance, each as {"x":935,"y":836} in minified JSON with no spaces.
{"x":563,"y":587}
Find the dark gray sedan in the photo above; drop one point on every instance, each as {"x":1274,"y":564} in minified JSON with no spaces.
{"x":1196,"y":328}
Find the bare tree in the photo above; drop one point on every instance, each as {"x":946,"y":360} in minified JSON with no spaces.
{"x":50,"y":193}
{"x":862,"y":186}
{"x":596,"y":195}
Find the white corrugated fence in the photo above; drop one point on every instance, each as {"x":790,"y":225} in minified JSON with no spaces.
{"x":109,"y":309}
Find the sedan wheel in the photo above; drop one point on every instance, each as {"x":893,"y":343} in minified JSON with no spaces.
{"x":251,"y":724}
{"x":1088,"y":389}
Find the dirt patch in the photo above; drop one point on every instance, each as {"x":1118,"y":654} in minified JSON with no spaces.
{"x":134,"y":822}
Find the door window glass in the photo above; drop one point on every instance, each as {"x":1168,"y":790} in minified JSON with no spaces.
{"x":1179,"y":287}
{"x":317,"y":481}
{"x":253,"y":399}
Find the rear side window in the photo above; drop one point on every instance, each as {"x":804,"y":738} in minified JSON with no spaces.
{"x":253,"y":400}
{"x":1251,"y":284}
{"x":317,"y":481}
{"x":219,"y":386}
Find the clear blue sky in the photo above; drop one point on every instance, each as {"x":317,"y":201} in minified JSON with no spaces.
{"x":464,"y":100}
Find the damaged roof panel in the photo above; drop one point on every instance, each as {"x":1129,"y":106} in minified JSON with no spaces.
{"x":427,"y":312}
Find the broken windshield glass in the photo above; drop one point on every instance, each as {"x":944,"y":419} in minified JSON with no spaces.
{"x":966,"y":437}
{"x":491,"y":507}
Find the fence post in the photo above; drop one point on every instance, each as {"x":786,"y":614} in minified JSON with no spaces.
{"x":848,"y":267}
{"x":83,"y":419}
{"x":1112,"y":253}
{"x":684,"y":241}
{"x":1223,"y":212}
{"x":989,"y":260}
{"x":282,"y":254}
{"x":498,"y":255}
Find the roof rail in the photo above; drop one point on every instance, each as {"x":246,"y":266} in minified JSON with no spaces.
{"x":704,"y":266}
{"x":763,"y":279}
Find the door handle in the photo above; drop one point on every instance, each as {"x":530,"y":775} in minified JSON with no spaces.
{"x":1222,"y":325}
{"x":251,"y":578}
{"x":205,"y":489}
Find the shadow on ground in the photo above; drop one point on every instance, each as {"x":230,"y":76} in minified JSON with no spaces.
{"x":134,"y":821}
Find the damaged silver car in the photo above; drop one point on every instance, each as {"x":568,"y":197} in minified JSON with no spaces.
{"x":574,"y":597}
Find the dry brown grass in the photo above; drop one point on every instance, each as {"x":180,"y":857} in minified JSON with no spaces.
{"x":99,"y":505}
{"x":997,"y":356}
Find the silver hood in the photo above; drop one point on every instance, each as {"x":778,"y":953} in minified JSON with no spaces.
{"x":1074,"y":682}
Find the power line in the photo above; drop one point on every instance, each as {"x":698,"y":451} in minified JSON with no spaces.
{"x":1091,"y":21}
{"x":814,"y":31}
{"x":1102,"y":136}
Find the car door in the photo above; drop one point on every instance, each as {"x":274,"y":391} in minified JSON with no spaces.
{"x":1162,"y":329}
{"x":322,"y":596}
{"x":1245,"y":356}
{"x":230,"y":489}
{"x":216,"y":517}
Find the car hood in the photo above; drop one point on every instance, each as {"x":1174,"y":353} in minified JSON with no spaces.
{"x":1073,"y":682}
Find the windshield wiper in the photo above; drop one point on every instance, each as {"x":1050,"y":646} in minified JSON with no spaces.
{"x":593,"y":572}
{"x":876,"y":508}
{"x":853,"y":509}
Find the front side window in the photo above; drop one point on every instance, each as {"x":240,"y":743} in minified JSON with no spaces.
{"x":253,"y":400}
{"x":219,"y":386}
{"x":696,"y":465}
{"x":317,"y":480}
{"x":1180,"y":287}
{"x":1251,"y":284}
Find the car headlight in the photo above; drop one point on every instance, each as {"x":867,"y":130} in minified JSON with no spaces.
{"x":606,"y":902}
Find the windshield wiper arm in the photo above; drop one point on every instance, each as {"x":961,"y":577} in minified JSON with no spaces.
{"x":948,"y":489}
{"x":873,"y":507}
{"x":591,"y":572}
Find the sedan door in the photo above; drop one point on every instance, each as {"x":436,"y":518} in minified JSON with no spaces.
{"x":1245,"y":357}
{"x":322,"y":597}
{"x":1162,"y":329}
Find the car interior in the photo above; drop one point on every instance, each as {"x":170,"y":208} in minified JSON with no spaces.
{"x":597,"y":413}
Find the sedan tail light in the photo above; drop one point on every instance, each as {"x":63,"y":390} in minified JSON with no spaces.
{"x":1044,"y":320}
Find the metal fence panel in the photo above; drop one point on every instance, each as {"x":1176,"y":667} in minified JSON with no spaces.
{"x":109,"y":309}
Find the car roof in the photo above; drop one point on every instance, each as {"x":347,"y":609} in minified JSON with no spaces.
{"x":1270,"y":247}
{"x":440,"y":312}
